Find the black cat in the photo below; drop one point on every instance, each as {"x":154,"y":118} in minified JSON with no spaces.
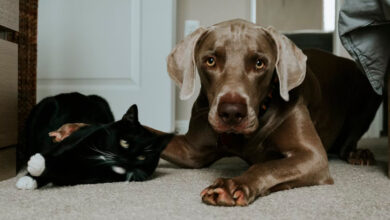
{"x":120,"y":151}
{"x":52,"y":112}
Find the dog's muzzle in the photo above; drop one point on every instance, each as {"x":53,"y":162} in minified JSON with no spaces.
{"x":232,"y":113}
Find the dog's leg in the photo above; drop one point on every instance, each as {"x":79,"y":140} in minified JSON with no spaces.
{"x":305,"y":163}
{"x":65,"y":130}
{"x":180,"y":152}
{"x":197,"y":148}
{"x":361,"y":157}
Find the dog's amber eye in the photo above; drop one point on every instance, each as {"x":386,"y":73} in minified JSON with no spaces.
{"x":210,"y":61}
{"x":259,"y":64}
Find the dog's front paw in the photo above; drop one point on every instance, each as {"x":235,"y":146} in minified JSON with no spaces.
{"x":361,"y":157}
{"x":36,"y":165}
{"x":65,"y":130}
{"x":227,"y":192}
{"x":26,"y":182}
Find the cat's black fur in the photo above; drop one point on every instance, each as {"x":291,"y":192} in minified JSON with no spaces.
{"x":52,"y":112}
{"x":121,"y":151}
{"x":78,"y":159}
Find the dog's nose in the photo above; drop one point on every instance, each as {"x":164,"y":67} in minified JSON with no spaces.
{"x":232,"y":113}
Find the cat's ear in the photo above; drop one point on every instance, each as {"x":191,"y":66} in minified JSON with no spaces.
{"x":131,"y":114}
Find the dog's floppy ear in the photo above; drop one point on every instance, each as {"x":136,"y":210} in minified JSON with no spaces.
{"x":181,"y":63}
{"x":290,"y":63}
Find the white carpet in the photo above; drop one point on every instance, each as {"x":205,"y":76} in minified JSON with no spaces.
{"x":173,"y":193}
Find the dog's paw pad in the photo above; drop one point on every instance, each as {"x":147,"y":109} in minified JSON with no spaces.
{"x":26,"y":182}
{"x":361,"y":157}
{"x":57,"y":136}
{"x":227,"y":192}
{"x":36,"y":165}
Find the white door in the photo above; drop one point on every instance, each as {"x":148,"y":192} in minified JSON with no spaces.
{"x":113,"y":48}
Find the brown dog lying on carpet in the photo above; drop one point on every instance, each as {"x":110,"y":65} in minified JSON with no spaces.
{"x":271,"y":104}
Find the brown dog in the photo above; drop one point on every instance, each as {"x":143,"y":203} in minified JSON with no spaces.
{"x":264,"y":100}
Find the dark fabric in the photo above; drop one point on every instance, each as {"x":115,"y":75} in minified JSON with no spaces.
{"x":364,"y":29}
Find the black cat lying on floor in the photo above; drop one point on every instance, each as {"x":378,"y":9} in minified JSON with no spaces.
{"x":55,"y":111}
{"x":120,"y":151}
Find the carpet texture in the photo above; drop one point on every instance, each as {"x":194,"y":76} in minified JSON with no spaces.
{"x":173,"y":193}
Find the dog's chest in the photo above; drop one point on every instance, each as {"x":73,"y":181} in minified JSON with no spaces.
{"x":239,"y":145}
{"x":232,"y":143}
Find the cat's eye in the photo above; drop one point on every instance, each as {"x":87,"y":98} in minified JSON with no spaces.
{"x":124,"y":143}
{"x":141,"y":157}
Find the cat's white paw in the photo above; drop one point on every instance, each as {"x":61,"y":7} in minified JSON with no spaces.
{"x":36,"y":165}
{"x":26,"y":182}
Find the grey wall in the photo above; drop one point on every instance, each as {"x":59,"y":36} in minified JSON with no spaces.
{"x":290,"y":15}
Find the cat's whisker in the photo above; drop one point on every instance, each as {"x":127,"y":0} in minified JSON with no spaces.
{"x":148,"y":147}
{"x":107,"y":162}
{"x":129,"y":175}
{"x":109,"y":154}
{"x":95,"y":149}
{"x":107,"y":131}
{"x":104,"y":153}
{"x":101,"y":157}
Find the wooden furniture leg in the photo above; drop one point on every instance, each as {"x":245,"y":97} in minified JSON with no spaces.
{"x":388,"y":118}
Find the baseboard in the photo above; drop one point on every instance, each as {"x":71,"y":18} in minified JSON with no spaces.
{"x":181,"y":126}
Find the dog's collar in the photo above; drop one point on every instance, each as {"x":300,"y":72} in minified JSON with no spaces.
{"x":267,"y":100}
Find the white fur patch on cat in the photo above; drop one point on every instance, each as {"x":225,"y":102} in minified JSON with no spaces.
{"x":26,"y":182}
{"x":36,"y":165}
{"x":118,"y":170}
{"x":141,"y":157}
